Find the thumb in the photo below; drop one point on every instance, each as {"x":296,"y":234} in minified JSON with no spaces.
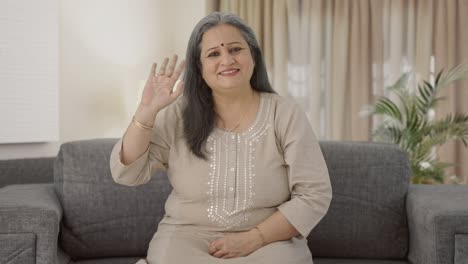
{"x":213,"y":247}
{"x":179,"y":87}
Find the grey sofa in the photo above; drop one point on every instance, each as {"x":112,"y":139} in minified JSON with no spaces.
{"x":375,"y":217}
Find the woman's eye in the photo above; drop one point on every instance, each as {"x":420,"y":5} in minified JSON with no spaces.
{"x":236,"y":49}
{"x":213,"y":54}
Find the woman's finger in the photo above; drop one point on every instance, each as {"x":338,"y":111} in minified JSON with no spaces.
{"x":227,"y":256}
{"x":212,"y":249}
{"x":171,"y":67}
{"x":162,"y":70}
{"x":178,"y":71}
{"x":215,"y":246}
{"x":220,"y":253}
{"x":152,"y":72}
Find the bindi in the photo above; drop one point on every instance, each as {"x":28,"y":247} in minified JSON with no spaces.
{"x":222,"y":44}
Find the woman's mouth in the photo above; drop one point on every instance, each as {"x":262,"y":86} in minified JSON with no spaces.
{"x":230,"y":72}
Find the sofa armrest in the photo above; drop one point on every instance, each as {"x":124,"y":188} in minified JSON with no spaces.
{"x":29,"y":224}
{"x":438,"y":224}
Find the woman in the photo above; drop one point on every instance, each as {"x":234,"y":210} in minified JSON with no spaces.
{"x":249,"y":180}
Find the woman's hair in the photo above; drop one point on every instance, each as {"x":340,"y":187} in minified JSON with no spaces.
{"x":199,"y":112}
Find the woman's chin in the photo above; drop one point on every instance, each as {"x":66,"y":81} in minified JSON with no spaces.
{"x":232,"y":87}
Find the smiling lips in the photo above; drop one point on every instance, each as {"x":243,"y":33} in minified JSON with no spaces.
{"x":229,"y":72}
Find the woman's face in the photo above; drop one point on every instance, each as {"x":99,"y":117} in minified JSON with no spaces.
{"x":226,"y":59}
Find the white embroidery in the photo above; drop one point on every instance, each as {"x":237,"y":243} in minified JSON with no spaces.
{"x":231,"y":183}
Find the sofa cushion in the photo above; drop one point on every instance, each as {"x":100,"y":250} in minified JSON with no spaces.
{"x":461,"y":248}
{"x":367,"y":216}
{"x":108,"y":261}
{"x":357,"y":261}
{"x":18,"y":248}
{"x":33,"y":212}
{"x":102,"y":218}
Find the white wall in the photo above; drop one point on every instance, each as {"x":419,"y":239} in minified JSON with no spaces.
{"x":29,"y":62}
{"x":106,"y":49}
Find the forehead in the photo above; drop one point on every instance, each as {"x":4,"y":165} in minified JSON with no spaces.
{"x":221,"y":34}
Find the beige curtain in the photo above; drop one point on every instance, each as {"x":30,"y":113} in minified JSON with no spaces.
{"x":365,"y":45}
{"x":450,"y":47}
{"x":427,"y":36}
{"x":268,"y":19}
{"x":337,"y":56}
{"x":330,"y":69}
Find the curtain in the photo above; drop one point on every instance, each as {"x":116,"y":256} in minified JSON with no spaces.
{"x":450,"y":48}
{"x":338,"y":56}
{"x":343,"y":54}
{"x":426,"y":36}
{"x":329,"y":65}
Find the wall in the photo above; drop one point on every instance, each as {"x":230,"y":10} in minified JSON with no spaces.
{"x":106,"y":49}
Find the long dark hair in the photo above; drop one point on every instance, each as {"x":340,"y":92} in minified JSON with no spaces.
{"x":199,"y":113}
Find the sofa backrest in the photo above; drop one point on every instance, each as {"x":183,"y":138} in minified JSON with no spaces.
{"x":367,"y":216}
{"x":100,"y":217}
{"x":24,"y":171}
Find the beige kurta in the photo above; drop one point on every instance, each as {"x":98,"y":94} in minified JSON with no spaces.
{"x":276,"y":164}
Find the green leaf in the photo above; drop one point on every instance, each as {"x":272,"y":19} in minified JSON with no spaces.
{"x":406,"y":122}
{"x":437,"y":79}
{"x":385,"y":106}
{"x":401,"y":83}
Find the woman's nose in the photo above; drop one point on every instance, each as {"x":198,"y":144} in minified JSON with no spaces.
{"x":227,"y":59}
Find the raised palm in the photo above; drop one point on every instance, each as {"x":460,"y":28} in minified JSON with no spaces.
{"x":158,"y":92}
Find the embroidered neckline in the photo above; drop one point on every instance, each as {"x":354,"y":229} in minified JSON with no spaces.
{"x":257,"y":121}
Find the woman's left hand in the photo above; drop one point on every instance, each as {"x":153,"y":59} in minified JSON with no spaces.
{"x":234,"y":245}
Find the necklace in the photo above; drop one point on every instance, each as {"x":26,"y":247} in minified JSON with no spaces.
{"x":240,"y":119}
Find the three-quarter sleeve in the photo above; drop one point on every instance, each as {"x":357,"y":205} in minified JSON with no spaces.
{"x":309,"y":182}
{"x":154,"y":159}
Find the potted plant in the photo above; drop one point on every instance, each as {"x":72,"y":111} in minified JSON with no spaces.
{"x":408,"y":120}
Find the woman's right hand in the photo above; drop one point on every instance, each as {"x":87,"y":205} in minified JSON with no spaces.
{"x":158,"y":93}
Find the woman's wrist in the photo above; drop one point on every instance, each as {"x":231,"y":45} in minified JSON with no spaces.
{"x":259,"y":237}
{"x":145,"y":116}
{"x":141,"y":125}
